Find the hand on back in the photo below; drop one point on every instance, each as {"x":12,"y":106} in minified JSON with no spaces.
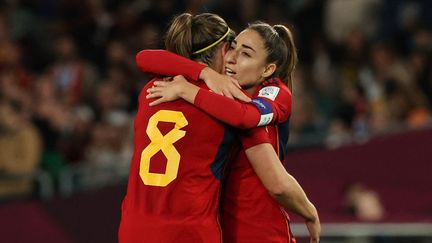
{"x":166,"y":90}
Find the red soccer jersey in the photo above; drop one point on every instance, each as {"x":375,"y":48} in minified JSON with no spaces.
{"x":249,"y":214}
{"x":174,"y":183}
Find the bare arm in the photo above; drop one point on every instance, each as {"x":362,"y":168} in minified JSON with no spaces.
{"x":283,"y":187}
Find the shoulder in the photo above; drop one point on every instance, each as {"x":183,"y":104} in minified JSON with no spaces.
{"x":274,"y":89}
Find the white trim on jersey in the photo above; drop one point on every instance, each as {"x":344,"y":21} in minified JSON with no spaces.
{"x":265,"y":119}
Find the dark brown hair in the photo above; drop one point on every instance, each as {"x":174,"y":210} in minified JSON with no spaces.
{"x":281,"y":49}
{"x":188,"y":34}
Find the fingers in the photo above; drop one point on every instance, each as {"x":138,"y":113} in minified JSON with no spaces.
{"x":232,"y":91}
{"x":218,"y":92}
{"x":157,"y":102}
{"x":314,"y":239}
{"x":179,"y":78}
{"x":154,"y":95}
{"x":314,"y":229}
{"x":160,"y":83}
{"x":236,"y":83}
{"x":238,"y":94}
{"x":228,"y":94}
{"x":154,"y":90}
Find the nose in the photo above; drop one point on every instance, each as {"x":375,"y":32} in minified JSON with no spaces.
{"x":231,"y":57}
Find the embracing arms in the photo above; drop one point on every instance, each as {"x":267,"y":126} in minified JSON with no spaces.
{"x":234,"y":113}
{"x":162,"y":62}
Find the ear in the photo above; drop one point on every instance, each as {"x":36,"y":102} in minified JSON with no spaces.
{"x":225,"y":48}
{"x":269,"y":70}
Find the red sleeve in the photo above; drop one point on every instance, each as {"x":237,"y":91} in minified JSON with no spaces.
{"x":272,"y":105}
{"x":166,"y":63}
{"x":274,"y":102}
{"x":229,"y":111}
{"x":253,"y":137}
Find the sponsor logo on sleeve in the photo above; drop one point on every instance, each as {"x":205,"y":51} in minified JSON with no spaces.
{"x":269,"y":92}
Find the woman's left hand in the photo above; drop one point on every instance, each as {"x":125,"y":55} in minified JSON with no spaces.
{"x":166,"y":91}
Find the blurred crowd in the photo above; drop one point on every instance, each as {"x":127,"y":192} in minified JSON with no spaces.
{"x":69,"y":84}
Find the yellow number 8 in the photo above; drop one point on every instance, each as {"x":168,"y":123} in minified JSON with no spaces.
{"x":164,"y":143}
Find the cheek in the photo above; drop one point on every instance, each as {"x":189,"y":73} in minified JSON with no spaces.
{"x":249,"y":74}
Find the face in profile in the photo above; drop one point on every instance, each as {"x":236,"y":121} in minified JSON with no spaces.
{"x":245,"y":60}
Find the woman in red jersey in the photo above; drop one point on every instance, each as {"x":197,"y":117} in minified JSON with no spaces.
{"x":173,"y":196}
{"x":174,"y":180}
{"x":258,"y":54}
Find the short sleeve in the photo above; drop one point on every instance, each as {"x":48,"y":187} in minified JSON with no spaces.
{"x":253,"y":137}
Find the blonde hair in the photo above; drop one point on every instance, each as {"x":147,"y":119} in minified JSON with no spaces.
{"x":188,"y":34}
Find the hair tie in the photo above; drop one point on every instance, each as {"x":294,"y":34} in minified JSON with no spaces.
{"x":213,"y":44}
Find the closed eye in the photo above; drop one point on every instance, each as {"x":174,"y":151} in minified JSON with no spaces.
{"x":246,"y":54}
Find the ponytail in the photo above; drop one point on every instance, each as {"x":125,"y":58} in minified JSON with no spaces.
{"x":209,"y":30}
{"x":287,"y":72}
{"x":179,"y":36}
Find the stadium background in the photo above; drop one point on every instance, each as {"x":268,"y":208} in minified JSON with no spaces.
{"x":360,"y":136}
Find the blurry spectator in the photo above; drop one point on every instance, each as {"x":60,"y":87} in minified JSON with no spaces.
{"x":30,"y":30}
{"x":250,"y":9}
{"x":127,"y":18}
{"x":118,"y":53}
{"x":53,"y":119}
{"x":305,"y":127}
{"x":73,"y":77}
{"x":20,"y":150}
{"x":353,"y":57}
{"x":355,"y":99}
{"x":349,"y":118}
{"x":420,"y":67}
{"x":124,"y":80}
{"x":121,"y":71}
{"x":108,"y":154}
{"x":363,"y":203}
{"x":108,"y":98}
{"x":406,"y":106}
{"x":342,"y":16}
{"x":339,"y":134}
{"x":11,"y":66}
{"x":386,"y":64}
{"x":101,"y":21}
{"x":149,"y":37}
{"x":326,"y":89}
{"x":75,"y":140}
